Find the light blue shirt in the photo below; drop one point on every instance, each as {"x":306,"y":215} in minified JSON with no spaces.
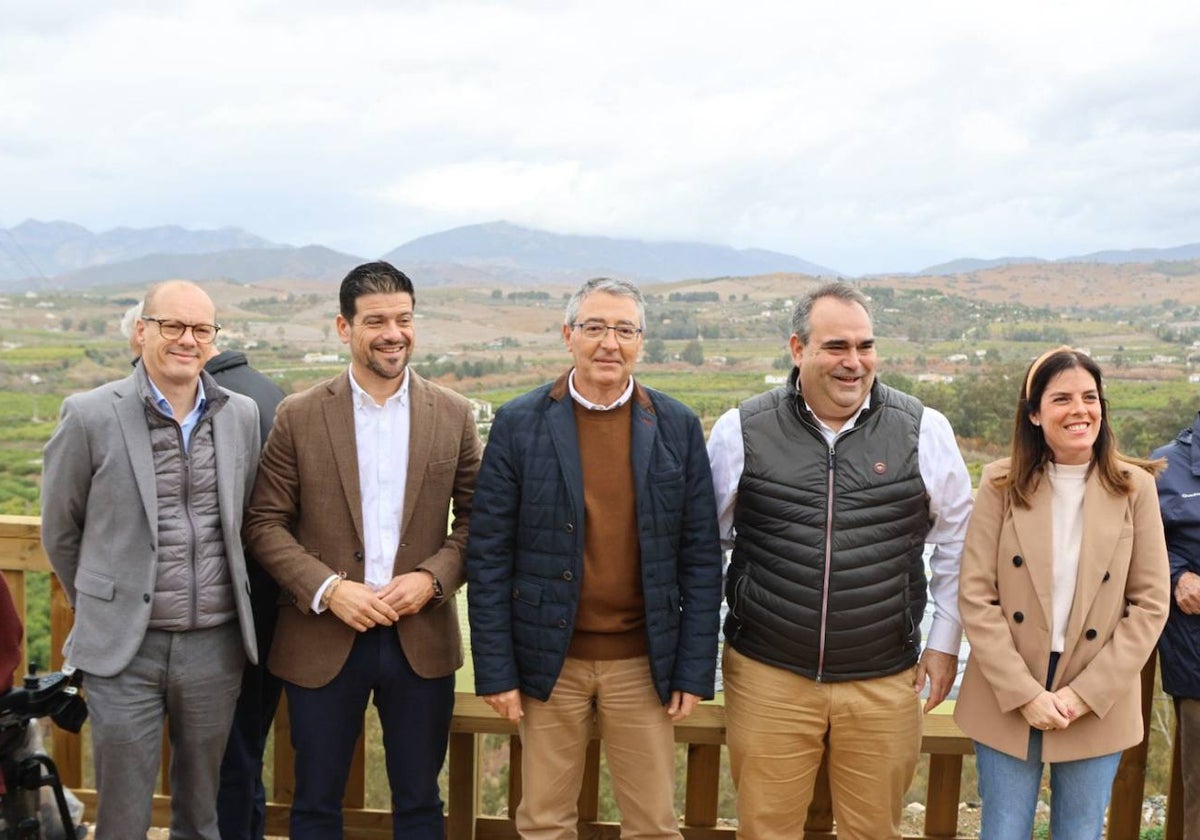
{"x":188,"y":424}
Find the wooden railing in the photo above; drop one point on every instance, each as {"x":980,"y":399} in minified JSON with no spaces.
{"x":703,"y":733}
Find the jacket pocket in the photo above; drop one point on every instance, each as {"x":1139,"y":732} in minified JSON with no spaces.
{"x":98,"y":586}
{"x":527,"y":601}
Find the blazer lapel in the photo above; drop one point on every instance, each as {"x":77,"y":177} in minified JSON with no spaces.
{"x":131,"y":414}
{"x":422,"y":415}
{"x":1103,"y":521}
{"x":227,"y":450}
{"x":339,"y":424}
{"x":1034,"y":528}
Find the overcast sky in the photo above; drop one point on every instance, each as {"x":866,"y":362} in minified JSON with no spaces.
{"x":866,"y":136}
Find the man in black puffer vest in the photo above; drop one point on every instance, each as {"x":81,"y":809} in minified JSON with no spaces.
{"x":828,"y":489}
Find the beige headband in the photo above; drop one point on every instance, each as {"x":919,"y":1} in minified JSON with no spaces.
{"x":1037,"y":363}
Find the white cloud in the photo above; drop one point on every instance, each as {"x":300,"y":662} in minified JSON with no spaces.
{"x":863,"y":135}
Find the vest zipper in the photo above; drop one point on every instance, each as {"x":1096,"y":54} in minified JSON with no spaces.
{"x":193,"y":606}
{"x":831,"y":464}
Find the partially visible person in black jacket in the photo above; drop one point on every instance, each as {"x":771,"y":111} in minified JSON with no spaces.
{"x":241,"y":800}
{"x":1179,"y":647}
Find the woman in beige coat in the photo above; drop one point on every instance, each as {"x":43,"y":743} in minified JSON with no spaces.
{"x":1063,"y":593}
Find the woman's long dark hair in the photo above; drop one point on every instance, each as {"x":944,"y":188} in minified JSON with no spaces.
{"x":1031,"y":453}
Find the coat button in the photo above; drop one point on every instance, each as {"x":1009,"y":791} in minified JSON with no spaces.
{"x":1018,"y":560}
{"x":146,"y":598}
{"x":567,"y":575}
{"x":516,"y":593}
{"x":562,"y":623}
{"x":1104,"y":579}
{"x":358,"y":555}
{"x":1018,"y":617}
{"x":1090,"y":634}
{"x":570,"y":528}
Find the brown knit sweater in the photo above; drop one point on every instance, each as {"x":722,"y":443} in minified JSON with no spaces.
{"x":611,"y":620}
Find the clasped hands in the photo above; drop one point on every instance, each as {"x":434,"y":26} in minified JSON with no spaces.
{"x":362,"y":607}
{"x":1055,"y":710}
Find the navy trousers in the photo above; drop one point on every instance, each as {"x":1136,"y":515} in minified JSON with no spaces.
{"x":241,"y":799}
{"x":415,"y":715}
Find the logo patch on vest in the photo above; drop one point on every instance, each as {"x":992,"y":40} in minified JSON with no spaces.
{"x":879,"y":467}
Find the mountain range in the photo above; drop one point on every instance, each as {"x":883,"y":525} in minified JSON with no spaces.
{"x":63,"y":255}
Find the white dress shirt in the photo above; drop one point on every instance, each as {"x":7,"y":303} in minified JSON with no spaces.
{"x":381,"y":434}
{"x":950,"y":502}
{"x":591,"y":406}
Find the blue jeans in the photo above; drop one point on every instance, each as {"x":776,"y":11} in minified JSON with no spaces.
{"x":1008,"y":786}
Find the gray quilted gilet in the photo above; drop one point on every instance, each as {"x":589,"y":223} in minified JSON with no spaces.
{"x":192,"y":587}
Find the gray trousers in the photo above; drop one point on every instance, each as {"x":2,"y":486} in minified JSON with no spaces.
{"x":1188,"y":713}
{"x":192,"y":680}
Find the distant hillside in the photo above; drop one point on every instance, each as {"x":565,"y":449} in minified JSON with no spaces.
{"x":313,"y":262}
{"x":1181,"y":253}
{"x":1139,"y":256}
{"x":36,"y":249}
{"x":507,"y":249}
{"x":967,"y":265}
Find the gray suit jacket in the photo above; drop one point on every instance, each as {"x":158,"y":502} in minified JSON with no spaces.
{"x":100,"y":516}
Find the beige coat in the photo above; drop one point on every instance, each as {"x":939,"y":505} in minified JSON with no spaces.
{"x":1119,"y":608}
{"x":305,"y":523}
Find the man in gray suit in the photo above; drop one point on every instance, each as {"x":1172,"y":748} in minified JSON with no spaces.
{"x":144,"y":484}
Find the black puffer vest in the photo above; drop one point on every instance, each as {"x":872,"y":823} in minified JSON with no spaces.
{"x":827,"y":577}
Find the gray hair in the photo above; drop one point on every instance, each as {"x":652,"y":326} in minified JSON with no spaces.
{"x":129,"y":320}
{"x":608,"y":286}
{"x":802,"y":314}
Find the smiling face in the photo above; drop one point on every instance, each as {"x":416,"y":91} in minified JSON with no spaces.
{"x":603,"y":366}
{"x":174,"y":363}
{"x":381,"y":338}
{"x":837,"y":363}
{"x":1069,"y":415}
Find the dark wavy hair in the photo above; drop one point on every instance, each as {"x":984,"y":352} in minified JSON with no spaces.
{"x":372,"y":278}
{"x":1031,"y":453}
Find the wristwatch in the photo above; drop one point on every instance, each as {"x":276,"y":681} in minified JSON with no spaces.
{"x":438,"y":593}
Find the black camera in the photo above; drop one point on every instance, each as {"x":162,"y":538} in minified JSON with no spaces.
{"x":52,"y":695}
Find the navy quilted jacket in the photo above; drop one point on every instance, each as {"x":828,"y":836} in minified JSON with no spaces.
{"x":525,"y":552}
{"x":1179,"y":500}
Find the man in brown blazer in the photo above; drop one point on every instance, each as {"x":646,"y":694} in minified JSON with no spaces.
{"x":350,"y":515}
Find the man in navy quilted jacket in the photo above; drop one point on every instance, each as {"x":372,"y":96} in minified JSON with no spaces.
{"x":594,"y":573}
{"x":1179,"y":647}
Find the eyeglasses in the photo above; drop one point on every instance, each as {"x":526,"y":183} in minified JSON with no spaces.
{"x":596,"y":331}
{"x":173,"y":330}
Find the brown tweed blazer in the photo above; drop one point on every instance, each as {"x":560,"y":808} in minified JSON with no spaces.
{"x":305,"y":523}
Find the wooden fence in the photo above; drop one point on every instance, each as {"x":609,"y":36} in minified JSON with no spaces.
{"x":703,"y":733}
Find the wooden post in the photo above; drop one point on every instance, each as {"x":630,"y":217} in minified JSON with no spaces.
{"x":703,"y":785}
{"x":68,"y":746}
{"x":462,"y":806}
{"x":1174,"y":827}
{"x":1125,"y":808}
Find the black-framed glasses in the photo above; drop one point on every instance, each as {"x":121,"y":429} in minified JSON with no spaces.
{"x":173,"y":330}
{"x":596,"y":330}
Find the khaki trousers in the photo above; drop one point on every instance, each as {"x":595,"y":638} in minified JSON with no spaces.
{"x":776,"y":728}
{"x":639,"y":743}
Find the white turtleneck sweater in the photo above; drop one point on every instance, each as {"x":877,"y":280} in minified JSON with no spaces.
{"x":1068,"y":482}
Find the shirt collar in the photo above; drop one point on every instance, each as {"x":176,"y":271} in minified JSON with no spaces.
{"x":364,"y":400}
{"x":591,"y":406}
{"x":165,"y":406}
{"x":848,"y":425}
